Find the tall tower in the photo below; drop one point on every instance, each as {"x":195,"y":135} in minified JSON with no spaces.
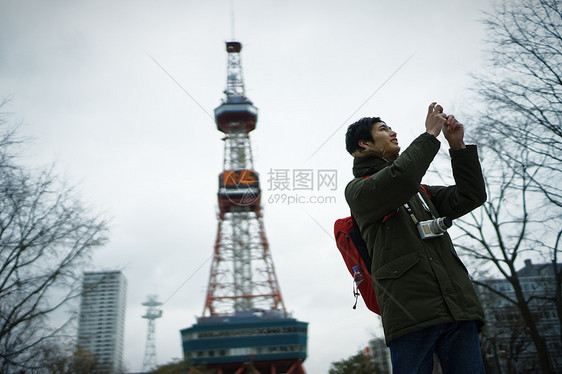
{"x":152,"y":313}
{"x":244,"y":322}
{"x":242,"y":274}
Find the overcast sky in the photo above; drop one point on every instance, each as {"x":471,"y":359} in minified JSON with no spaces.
{"x":146,"y":152}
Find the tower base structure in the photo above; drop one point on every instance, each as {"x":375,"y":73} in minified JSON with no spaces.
{"x":265,"y":342}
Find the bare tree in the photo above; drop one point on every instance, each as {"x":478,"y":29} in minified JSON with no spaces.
{"x":509,"y":227}
{"x":518,"y":128}
{"x":522,"y":90}
{"x":63,"y":357}
{"x":46,"y":235}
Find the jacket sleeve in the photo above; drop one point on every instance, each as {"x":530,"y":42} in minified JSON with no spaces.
{"x":392,"y":186}
{"x":469,"y":191}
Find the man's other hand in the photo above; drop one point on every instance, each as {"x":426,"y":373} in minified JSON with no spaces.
{"x":454,"y":132}
{"x":435,"y":119}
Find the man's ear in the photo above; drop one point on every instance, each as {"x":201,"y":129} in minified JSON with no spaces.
{"x":362,"y":143}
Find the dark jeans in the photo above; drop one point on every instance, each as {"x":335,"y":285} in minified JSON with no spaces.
{"x":455,"y":344}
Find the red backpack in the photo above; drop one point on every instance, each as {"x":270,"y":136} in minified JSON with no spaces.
{"x":357,"y":259}
{"x":356,"y":256}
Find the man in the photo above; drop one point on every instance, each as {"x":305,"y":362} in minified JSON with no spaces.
{"x":427,"y":301}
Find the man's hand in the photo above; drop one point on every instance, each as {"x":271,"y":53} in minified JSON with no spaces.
{"x":454,"y":133}
{"x":435,"y":119}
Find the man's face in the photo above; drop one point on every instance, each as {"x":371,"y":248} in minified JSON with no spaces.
{"x":385,"y":143}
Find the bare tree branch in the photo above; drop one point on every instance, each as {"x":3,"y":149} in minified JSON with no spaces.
{"x":46,"y":235}
{"x":519,"y":133}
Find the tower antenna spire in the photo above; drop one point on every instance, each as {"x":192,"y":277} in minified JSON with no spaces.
{"x":232,"y":19}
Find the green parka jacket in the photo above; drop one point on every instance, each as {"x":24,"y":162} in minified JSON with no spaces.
{"x":418,"y":282}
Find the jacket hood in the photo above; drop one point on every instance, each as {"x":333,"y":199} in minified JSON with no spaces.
{"x":368,"y":165}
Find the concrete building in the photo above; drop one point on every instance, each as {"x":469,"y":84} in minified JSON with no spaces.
{"x":101,"y":324}
{"x":507,"y":345}
{"x":380,"y":354}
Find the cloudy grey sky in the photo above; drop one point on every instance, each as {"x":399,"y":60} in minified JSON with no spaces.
{"x":84,"y":84}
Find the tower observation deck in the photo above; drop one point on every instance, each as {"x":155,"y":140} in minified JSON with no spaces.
{"x":244,"y":322}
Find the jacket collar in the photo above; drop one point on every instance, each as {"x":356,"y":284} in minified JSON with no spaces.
{"x":368,"y":165}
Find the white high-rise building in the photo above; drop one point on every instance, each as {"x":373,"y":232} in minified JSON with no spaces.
{"x":380,"y":354}
{"x":101,"y":325}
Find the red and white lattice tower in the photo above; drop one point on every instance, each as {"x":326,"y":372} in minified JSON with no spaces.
{"x":242,"y":276}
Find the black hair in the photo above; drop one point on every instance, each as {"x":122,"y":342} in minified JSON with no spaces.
{"x":360,"y":130}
